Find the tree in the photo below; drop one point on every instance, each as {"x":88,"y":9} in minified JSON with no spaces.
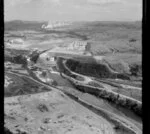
{"x":44,"y":73}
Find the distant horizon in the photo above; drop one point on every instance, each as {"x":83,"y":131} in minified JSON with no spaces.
{"x":72,"y":21}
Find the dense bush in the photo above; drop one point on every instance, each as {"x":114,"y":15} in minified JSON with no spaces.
{"x":136,"y":70}
{"x":54,"y":83}
{"x":34,"y":56}
{"x":7,"y":131}
{"x":95,"y":70}
{"x":122,"y":101}
{"x":8,"y":58}
{"x":20,"y":59}
{"x":123,"y":76}
{"x":132,"y":40}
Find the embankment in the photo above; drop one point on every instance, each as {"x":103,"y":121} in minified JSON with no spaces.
{"x":119,"y":99}
{"x":94,"y":70}
{"x":116,"y":98}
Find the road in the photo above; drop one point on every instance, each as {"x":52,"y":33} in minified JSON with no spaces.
{"x":122,"y":120}
{"x":88,"y":79}
{"x":74,"y":117}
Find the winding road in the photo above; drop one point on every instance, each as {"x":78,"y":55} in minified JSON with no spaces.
{"x":120,"y":119}
{"x":88,"y":79}
{"x":116,"y":117}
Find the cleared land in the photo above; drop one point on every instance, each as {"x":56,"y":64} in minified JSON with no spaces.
{"x":116,"y":45}
{"x":52,"y":112}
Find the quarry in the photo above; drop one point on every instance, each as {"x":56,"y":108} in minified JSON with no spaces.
{"x":65,"y":78}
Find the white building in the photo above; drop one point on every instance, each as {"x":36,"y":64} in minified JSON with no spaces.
{"x":77,"y":45}
{"x":56,"y":24}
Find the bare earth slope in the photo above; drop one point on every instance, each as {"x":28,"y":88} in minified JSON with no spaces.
{"x":52,"y":112}
{"x":31,"y":107}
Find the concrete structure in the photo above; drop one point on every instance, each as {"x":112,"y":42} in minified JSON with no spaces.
{"x":56,"y":24}
{"x":77,"y":45}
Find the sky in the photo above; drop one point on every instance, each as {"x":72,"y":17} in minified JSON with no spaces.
{"x":73,"y":10}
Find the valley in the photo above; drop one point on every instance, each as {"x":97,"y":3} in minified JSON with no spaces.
{"x":83,"y":78}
